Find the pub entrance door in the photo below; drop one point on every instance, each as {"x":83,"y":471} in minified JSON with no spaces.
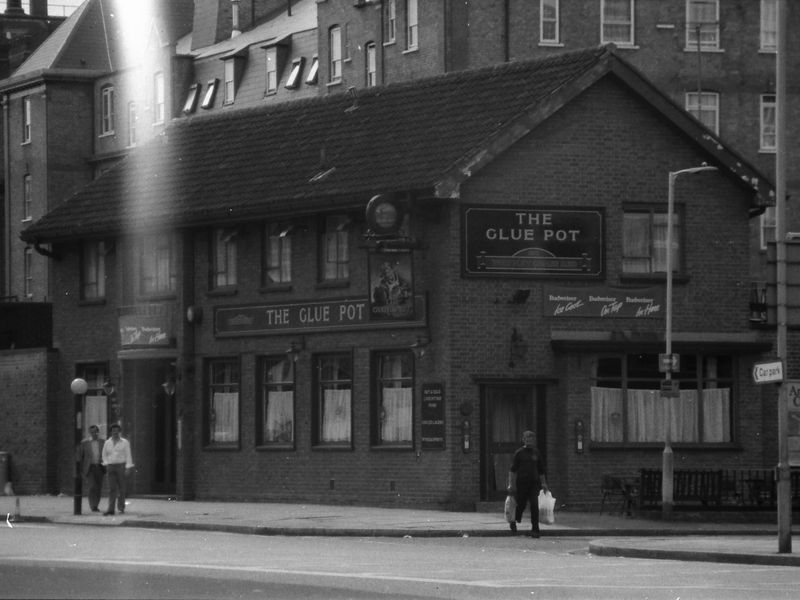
{"x":508,"y":410}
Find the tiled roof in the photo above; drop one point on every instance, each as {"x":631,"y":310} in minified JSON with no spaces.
{"x":253,"y":163}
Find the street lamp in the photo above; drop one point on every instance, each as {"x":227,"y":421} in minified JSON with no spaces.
{"x":667,"y":461}
{"x":78,"y":388}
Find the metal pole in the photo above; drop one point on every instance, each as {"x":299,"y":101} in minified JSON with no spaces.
{"x":667,"y":458}
{"x":78,"y":484}
{"x":784,"y":488}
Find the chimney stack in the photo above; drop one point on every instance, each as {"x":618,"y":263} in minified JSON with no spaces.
{"x":14,"y":8}
{"x":38,"y":8}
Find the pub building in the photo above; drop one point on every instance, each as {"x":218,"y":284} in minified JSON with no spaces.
{"x":366,"y":298}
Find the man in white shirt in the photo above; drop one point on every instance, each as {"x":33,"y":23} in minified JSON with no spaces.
{"x":118,"y":461}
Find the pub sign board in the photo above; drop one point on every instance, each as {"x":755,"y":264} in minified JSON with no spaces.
{"x":532,"y":241}
{"x":433,"y":416}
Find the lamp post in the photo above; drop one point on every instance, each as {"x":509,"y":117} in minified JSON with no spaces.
{"x":78,"y":388}
{"x":667,"y":461}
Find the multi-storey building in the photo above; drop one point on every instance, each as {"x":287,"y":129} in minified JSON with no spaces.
{"x":364,"y":297}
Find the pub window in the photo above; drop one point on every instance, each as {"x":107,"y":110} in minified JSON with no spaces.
{"x":93,"y":270}
{"x":705,"y":108}
{"x":767,"y":227}
{"x":334,"y":400}
{"x":157,"y":264}
{"x":335,"y":248}
{"x":768,"y":135}
{"x":627,"y":405}
{"x":393,"y":401}
{"x":277,"y":254}
{"x":276,"y":405}
{"x":644,"y":244}
{"x":222,"y":412}
{"x":224,"y":253}
{"x":617,"y":22}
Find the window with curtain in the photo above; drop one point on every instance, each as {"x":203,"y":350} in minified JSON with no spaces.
{"x":548,"y":22}
{"x":93,"y":270}
{"x":95,"y":401}
{"x":705,"y":108}
{"x":336,"y":248}
{"x":223,"y":403}
{"x":769,"y":25}
{"x":644,"y":242}
{"x":225,"y":257}
{"x":767,"y":227}
{"x":333,"y":407}
{"x":702,"y":24}
{"x":277,"y":254}
{"x":617,"y":25}
{"x":157,"y":264}
{"x":768,"y":135}
{"x":394,"y":408}
{"x":627,"y":406}
{"x":277,"y":402}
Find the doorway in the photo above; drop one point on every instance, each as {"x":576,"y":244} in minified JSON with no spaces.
{"x":508,"y":410}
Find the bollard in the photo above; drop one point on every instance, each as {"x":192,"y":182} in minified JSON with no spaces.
{"x":16,"y":510}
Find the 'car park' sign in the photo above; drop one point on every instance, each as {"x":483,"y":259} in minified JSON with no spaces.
{"x":768,"y":372}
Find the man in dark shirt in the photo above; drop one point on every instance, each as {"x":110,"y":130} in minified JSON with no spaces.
{"x":525,"y":478}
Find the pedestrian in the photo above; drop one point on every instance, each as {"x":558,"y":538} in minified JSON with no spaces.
{"x":525,"y":478}
{"x":90,"y":457}
{"x":118,"y":462}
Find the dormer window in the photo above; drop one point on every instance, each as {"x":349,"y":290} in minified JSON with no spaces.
{"x":211,"y":92}
{"x":230,"y":81}
{"x":107,"y":110}
{"x":159,"y":99}
{"x":191,"y":99}
{"x":293,"y":81}
{"x":313,"y":72}
{"x":272,"y":70}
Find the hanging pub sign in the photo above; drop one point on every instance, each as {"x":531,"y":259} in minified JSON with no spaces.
{"x":391,"y":285}
{"x":604,"y":302}
{"x":527,"y":241}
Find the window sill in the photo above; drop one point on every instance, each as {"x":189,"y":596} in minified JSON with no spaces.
{"x":156,"y":297}
{"x":107,"y":134}
{"x":411,"y":50}
{"x":651,"y":278}
{"x":709,"y":50}
{"x":327,"y":285}
{"x":333,"y":447}
{"x":278,"y":288}
{"x":233,"y":447}
{"x":767,"y":150}
{"x":276,"y":448}
{"x":222,"y":292}
{"x":659,"y":446}
{"x":392,"y":448}
{"x":389,"y":43}
{"x":551,"y":45}
{"x":27,"y":220}
{"x":624,"y":46}
{"x":334,"y":83}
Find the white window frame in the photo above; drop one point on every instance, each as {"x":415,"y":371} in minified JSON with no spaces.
{"x":767,"y":128}
{"x":295,"y":74}
{"x":277,"y":423}
{"x":159,"y":99}
{"x":767,"y":227}
{"x":313,"y":71}
{"x":412,"y":25}
{"x":548,"y":21}
{"x":133,"y":121}
{"x":26,"y":120}
{"x":390,"y":21}
{"x":335,"y":54}
{"x":157,"y":270}
{"x":93,"y":270}
{"x":277,"y":255}
{"x":394,"y":399}
{"x":371,"y":64}
{"x":27,"y":198}
{"x":606,"y":21}
{"x":708,"y":104}
{"x":335,"y":251}
{"x":107,"y":110}
{"x":768,"y":34}
{"x":709,"y":30}
{"x":230,"y":80}
{"x":225,"y":257}
{"x":211,"y":92}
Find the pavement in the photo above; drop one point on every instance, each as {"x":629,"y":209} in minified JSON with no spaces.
{"x":751,"y":539}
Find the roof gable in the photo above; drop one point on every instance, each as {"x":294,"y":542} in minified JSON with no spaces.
{"x":426,"y":136}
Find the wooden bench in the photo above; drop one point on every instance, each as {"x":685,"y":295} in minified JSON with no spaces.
{"x":689,"y":486}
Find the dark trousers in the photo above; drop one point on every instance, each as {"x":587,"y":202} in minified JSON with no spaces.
{"x":95,"y":480}
{"x":116,"y":487}
{"x":528,"y":493}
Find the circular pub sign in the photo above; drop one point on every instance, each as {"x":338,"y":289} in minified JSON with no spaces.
{"x":385,"y":214}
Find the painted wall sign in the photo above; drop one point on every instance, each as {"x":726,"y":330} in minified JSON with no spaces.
{"x":143,"y":330}
{"x":527,"y":241}
{"x":325,"y":315}
{"x":433,"y":437}
{"x":605,"y":303}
